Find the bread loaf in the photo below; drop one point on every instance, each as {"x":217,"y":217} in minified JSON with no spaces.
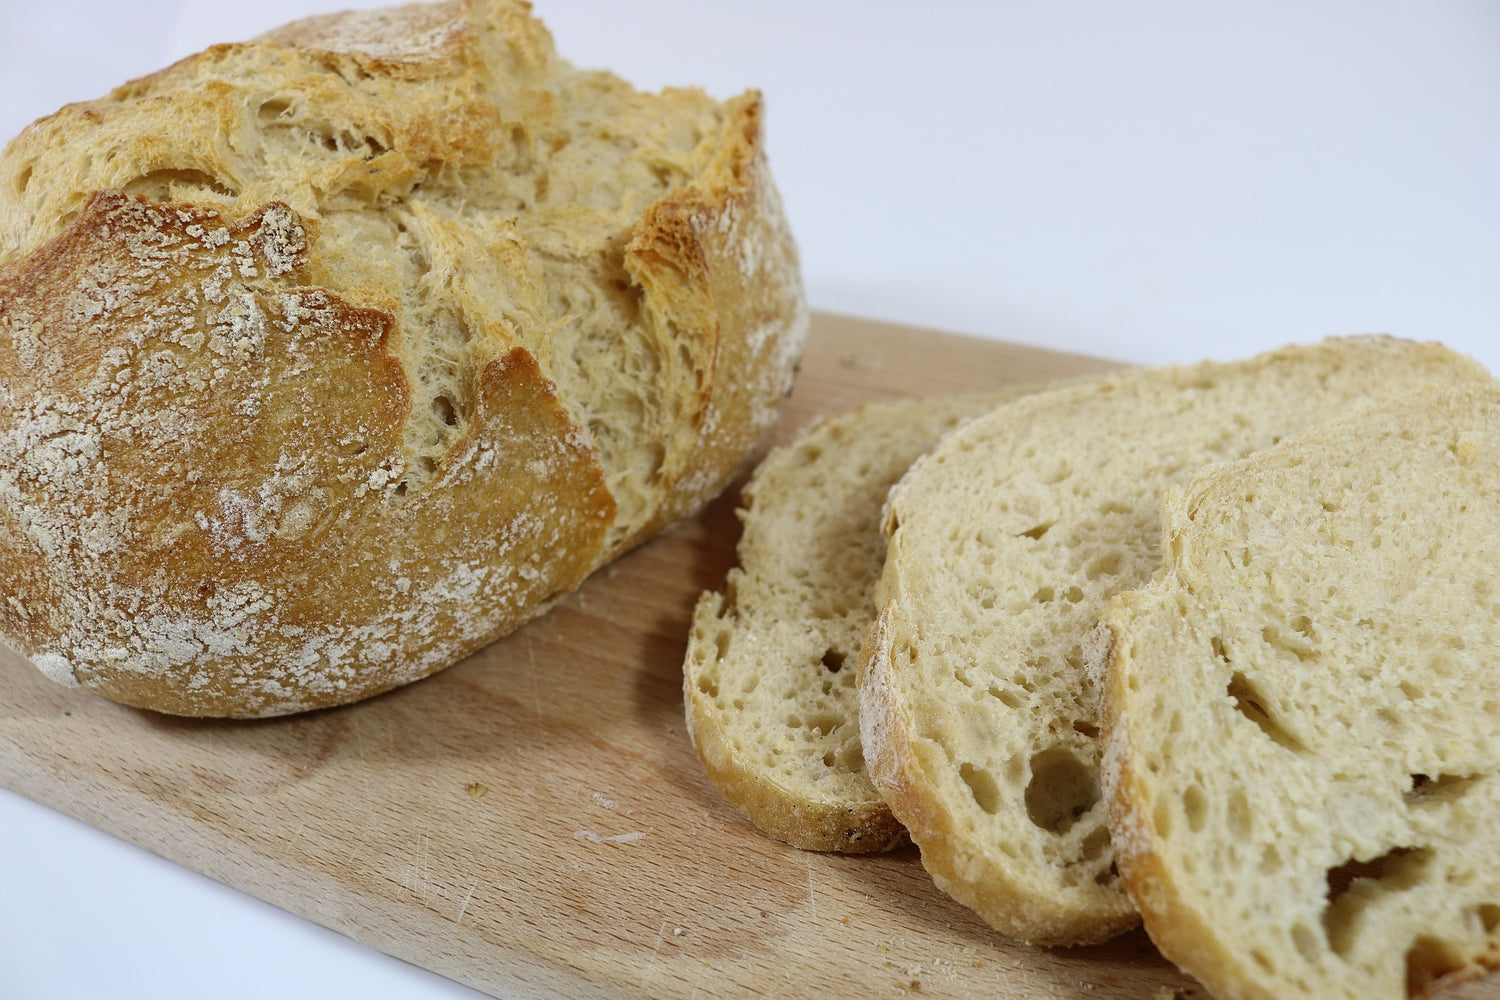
{"x":1302,"y":711}
{"x":327,"y":358}
{"x":769,"y":676}
{"x":979,"y":723}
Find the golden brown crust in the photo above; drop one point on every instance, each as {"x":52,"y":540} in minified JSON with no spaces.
{"x":353,"y":372}
{"x":718,"y":268}
{"x":198,"y":444}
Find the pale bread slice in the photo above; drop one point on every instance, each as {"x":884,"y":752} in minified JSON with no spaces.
{"x":769,"y":676}
{"x":1303,"y":711}
{"x":979,"y":725}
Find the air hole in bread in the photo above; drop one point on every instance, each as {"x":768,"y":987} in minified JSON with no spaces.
{"x":1062,"y":470}
{"x":23,"y":179}
{"x":1195,"y":807}
{"x":1354,"y":885}
{"x":273,"y":109}
{"x":833,"y":661}
{"x":1038,"y":531}
{"x":824,"y":723}
{"x":1062,"y":788}
{"x":1086,"y":729}
{"x":1488,"y":915}
{"x":1095,"y":844}
{"x":1305,"y":940}
{"x":1430,"y":791}
{"x":1428,"y":960}
{"x":1043,"y":595}
{"x":1249,"y":703}
{"x":1279,"y":640}
{"x":400,"y":490}
{"x":982,"y":786}
{"x":177,"y":185}
{"x":1219,"y":651}
{"x":1015,"y":770}
{"x":1241,"y":819}
{"x":1105,"y":565}
{"x":442,"y":408}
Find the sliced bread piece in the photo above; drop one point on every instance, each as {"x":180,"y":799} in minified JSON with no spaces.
{"x":768,"y":681}
{"x":980,"y":727}
{"x":1303,"y":711}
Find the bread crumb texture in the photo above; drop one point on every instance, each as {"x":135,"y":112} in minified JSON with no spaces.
{"x":980,"y":722}
{"x":769,"y":677}
{"x":1304,"y":715}
{"x":329,"y":357}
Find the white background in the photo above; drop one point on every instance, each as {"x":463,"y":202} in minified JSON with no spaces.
{"x":1152,"y":181}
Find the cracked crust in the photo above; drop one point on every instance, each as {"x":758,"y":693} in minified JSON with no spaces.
{"x":397,"y":293}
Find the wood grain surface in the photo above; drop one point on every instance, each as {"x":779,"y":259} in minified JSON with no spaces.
{"x":533,"y":822}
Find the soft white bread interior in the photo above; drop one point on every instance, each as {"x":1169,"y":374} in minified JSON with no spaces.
{"x":1303,"y":712}
{"x":979,"y":724}
{"x":329,"y":357}
{"x":769,"y":676}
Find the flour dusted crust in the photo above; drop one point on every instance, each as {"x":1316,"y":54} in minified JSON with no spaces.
{"x":327,"y":358}
{"x":1302,"y":714}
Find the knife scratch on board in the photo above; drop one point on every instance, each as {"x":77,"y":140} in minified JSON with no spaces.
{"x":415,"y":880}
{"x":464,"y":908}
{"x":536,"y":688}
{"x":619,"y":838}
{"x":661,"y":933}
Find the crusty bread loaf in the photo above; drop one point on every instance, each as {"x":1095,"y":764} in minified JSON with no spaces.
{"x":979,"y":724}
{"x":1302,"y":711}
{"x":769,"y":676}
{"x":330,"y":357}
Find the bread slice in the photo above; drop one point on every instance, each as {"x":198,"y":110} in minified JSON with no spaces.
{"x":1303,"y":711}
{"x":980,"y":726}
{"x":769,"y":677}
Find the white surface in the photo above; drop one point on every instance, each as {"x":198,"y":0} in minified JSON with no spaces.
{"x":1158,"y":181}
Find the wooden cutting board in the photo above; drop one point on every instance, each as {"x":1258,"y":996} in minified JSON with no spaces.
{"x":533,"y":822}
